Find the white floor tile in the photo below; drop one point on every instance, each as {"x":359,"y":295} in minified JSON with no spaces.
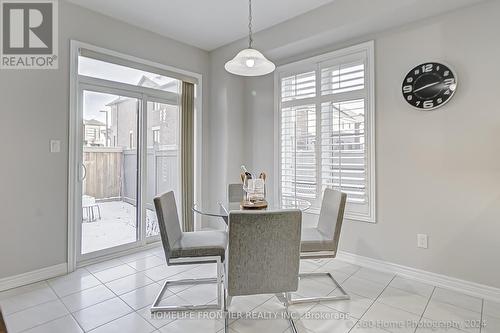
{"x":28,"y":299}
{"x":129,"y":283}
{"x":34,"y":316}
{"x":175,"y":288}
{"x":114,"y":273}
{"x":314,"y":287}
{"x":439,"y":311}
{"x":412,"y":286}
{"x":374,"y":276}
{"x":247,"y":303}
{"x":273,"y":306}
{"x":193,"y":325}
{"x":491,"y":309}
{"x":355,"y":307}
{"x":491,"y":324}
{"x":145,"y":263}
{"x":137,"y":255}
{"x":457,"y":299}
{"x":259,"y":325}
{"x":79,"y":280}
{"x":137,"y":277}
{"x":340,"y":266}
{"x":200,"y":271}
{"x":435,"y":326}
{"x":100,"y":266}
{"x":87,"y":297}
{"x":131,"y":323}
{"x":322,"y":319}
{"x":362,"y":287}
{"x":22,"y":290}
{"x":308,"y":266}
{"x":200,"y":294}
{"x":163,"y":272}
{"x":359,"y":329}
{"x":388,"y":318}
{"x":160,"y":319}
{"x":143,"y":296}
{"x":337,"y":275}
{"x":65,"y":324}
{"x":102,"y":313}
{"x":403,"y":300}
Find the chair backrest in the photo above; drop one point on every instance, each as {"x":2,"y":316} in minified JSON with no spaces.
{"x":331,"y":215}
{"x":263,"y":252}
{"x":168,"y":221}
{"x":235,"y":192}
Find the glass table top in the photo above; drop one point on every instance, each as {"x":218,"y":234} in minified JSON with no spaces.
{"x":225,"y":207}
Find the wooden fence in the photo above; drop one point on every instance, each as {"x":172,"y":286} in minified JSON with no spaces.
{"x":111,"y":173}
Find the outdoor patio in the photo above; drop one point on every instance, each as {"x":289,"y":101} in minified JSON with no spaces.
{"x":117,"y":226}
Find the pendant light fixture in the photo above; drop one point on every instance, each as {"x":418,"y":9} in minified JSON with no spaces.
{"x":249,"y":62}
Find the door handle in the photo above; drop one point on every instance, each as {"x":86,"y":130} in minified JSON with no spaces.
{"x":84,"y":172}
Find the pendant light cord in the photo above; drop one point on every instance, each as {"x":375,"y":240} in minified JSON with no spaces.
{"x":250,"y":33}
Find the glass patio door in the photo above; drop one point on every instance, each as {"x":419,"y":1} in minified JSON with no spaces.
{"x":126,"y":151}
{"x":110,"y":163}
{"x":128,"y":156}
{"x":162,"y":161}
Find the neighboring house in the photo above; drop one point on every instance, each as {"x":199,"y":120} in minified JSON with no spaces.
{"x":94,"y":132}
{"x":163,"y":119}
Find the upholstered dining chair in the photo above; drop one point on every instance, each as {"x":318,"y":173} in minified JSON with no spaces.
{"x":182,"y":248}
{"x":235,"y":192}
{"x":263,"y":255}
{"x":322,"y":241}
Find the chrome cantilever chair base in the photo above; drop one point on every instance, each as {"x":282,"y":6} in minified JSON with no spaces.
{"x":284,"y":298}
{"x":195,"y":260}
{"x":344,"y":295}
{"x":320,"y":255}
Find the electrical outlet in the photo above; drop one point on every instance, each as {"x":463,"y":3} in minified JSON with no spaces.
{"x":55,"y":146}
{"x":422,"y":241}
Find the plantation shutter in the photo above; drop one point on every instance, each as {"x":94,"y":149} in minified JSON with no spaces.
{"x":324,"y":142}
{"x":298,"y":137}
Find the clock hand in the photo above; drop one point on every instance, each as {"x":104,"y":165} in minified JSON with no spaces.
{"x":427,"y":86}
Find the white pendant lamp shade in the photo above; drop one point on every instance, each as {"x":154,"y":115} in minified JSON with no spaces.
{"x":249,"y":62}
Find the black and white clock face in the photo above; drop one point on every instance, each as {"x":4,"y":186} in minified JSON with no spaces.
{"x":429,"y":86}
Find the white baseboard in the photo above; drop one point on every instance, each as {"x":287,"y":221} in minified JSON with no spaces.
{"x":33,"y":276}
{"x":438,"y":280}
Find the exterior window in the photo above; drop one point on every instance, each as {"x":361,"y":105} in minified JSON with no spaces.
{"x":156,"y":135}
{"x":326,"y":129}
{"x":131,"y":140}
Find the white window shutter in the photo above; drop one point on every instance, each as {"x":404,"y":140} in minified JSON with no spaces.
{"x":326,"y":139}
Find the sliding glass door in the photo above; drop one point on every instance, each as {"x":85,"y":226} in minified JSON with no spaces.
{"x":125,"y":150}
{"x":163,"y":157}
{"x":130,"y":153}
{"x":110,"y":163}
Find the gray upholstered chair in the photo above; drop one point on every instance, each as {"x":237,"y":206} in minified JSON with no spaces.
{"x":235,"y":192}
{"x":187,"y":248}
{"x":263,"y":255}
{"x":322,"y":241}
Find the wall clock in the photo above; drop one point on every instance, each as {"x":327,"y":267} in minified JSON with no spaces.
{"x":429,"y":86}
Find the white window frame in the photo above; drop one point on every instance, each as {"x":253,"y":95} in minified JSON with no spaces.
{"x":312,"y":64}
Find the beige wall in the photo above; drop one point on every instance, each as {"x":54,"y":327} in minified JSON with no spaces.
{"x":34,"y":108}
{"x":437,"y":172}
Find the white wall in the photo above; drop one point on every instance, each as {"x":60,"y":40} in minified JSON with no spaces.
{"x":34,"y":108}
{"x":437,"y":172}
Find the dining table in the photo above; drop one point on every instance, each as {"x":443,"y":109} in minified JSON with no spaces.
{"x":222,"y":209}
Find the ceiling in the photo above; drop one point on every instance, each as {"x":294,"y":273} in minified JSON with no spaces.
{"x":206,"y":24}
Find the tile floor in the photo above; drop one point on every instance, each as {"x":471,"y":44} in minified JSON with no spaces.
{"x":115,"y":296}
